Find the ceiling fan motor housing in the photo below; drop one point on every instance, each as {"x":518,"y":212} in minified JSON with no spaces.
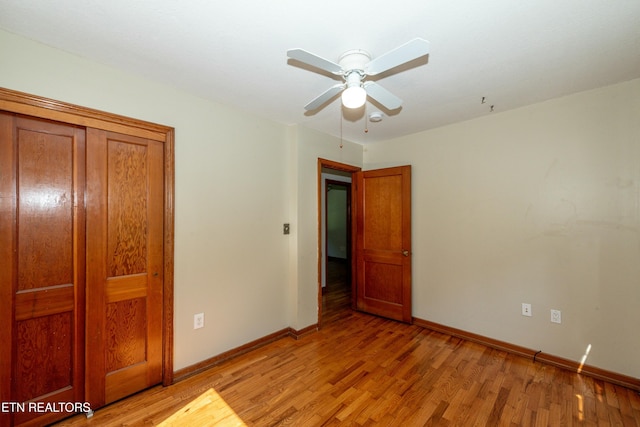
{"x":354,"y":60}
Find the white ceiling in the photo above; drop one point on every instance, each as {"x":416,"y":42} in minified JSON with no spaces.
{"x":513,"y":53}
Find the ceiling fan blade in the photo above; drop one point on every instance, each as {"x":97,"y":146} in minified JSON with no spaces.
{"x":324,"y":97}
{"x":407,"y":52}
{"x":383,"y":96}
{"x":314,"y":60}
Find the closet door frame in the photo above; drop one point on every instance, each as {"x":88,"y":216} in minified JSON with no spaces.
{"x":45,"y":108}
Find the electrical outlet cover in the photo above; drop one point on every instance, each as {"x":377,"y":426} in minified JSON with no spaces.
{"x":198,"y":321}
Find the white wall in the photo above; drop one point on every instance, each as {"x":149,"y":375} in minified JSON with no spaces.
{"x":237,"y":182}
{"x":537,"y":205}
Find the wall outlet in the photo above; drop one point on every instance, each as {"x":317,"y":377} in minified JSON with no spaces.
{"x":556,"y":316}
{"x":526,"y":309}
{"x":198,"y":321}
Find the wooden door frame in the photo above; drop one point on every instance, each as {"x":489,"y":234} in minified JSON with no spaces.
{"x":330,"y":164}
{"x":44,"y":108}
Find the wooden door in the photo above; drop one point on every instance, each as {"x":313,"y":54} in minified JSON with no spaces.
{"x":42,"y":266}
{"x":383,"y":242}
{"x":124,"y":265}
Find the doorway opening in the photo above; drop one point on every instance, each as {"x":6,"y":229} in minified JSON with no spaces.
{"x":336,"y":272}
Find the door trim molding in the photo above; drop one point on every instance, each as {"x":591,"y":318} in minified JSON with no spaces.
{"x":49,"y":109}
{"x":330,"y":164}
{"x":45,"y":108}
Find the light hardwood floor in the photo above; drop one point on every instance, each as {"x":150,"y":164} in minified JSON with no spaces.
{"x":362,"y":370}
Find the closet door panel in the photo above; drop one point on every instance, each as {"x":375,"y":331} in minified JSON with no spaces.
{"x":125,"y":223}
{"x":44,"y":271}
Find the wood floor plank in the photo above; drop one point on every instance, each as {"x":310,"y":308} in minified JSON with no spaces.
{"x":363,"y":370}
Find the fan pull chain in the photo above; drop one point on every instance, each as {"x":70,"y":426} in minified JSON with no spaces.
{"x":341,"y":118}
{"x":366,"y":122}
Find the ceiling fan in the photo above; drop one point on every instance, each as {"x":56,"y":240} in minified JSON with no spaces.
{"x":354,"y":66}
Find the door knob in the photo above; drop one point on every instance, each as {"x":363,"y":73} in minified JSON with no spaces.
{"x":405,"y":253}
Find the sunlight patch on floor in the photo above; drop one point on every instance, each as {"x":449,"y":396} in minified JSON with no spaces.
{"x":584,"y":358}
{"x":207,"y":409}
{"x":580,"y":407}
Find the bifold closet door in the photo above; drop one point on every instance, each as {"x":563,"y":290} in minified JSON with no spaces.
{"x":125,"y":188}
{"x":42,"y":265}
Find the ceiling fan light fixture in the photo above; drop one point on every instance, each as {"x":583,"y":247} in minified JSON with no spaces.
{"x":354,"y":67}
{"x":354,"y":97}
